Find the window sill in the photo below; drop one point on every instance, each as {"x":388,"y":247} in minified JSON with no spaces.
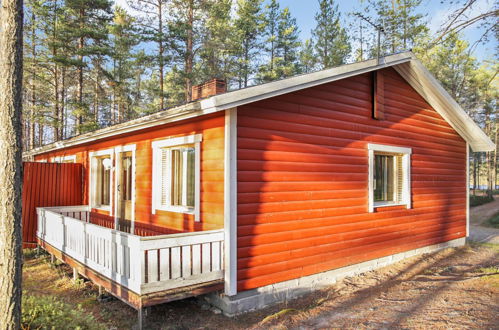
{"x":106,"y":208}
{"x":388,"y":204}
{"x":176,"y":209}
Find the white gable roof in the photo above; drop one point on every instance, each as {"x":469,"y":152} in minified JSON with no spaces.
{"x":405,"y":64}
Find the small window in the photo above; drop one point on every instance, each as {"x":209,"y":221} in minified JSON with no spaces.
{"x":176,"y":170}
{"x":389,"y":173}
{"x":100,"y":179}
{"x":64,"y":159}
{"x":103,"y":181}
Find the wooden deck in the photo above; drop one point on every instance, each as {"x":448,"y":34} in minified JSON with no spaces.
{"x":141,"y":271}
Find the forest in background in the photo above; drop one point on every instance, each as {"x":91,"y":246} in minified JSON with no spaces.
{"x":91,"y":63}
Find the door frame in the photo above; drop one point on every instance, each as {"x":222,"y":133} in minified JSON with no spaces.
{"x":117,"y":150}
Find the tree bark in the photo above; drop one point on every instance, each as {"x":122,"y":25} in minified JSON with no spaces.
{"x":189,"y":54}
{"x":11,"y":62}
{"x":81,"y":44}
{"x":33,"y":85}
{"x":161,"y":57}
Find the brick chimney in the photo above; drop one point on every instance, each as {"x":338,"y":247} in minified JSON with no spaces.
{"x":209,"y":88}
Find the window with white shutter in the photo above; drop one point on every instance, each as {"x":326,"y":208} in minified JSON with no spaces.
{"x":389,"y":176}
{"x":176,"y":174}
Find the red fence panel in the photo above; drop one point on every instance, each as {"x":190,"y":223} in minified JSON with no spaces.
{"x":48,"y":184}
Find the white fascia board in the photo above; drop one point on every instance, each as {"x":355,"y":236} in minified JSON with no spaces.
{"x":288,"y":85}
{"x":405,"y":63}
{"x":430,"y":89}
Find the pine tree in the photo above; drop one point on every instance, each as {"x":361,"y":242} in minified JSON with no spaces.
{"x":403,"y":25}
{"x":11,"y":72}
{"x":269,"y":70}
{"x":186,"y":30}
{"x":123,"y":40}
{"x":331,"y":40}
{"x":152,"y":22}
{"x":218,"y":42}
{"x":86,"y":26}
{"x":281,"y":44}
{"x":247,"y":29}
{"x":308,"y":61}
{"x":289,"y":44}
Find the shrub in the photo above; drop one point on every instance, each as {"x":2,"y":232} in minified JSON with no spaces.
{"x":46,"y":312}
{"x":494,"y":221}
{"x":479,"y":200}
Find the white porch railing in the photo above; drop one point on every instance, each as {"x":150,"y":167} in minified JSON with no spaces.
{"x":141,"y":264}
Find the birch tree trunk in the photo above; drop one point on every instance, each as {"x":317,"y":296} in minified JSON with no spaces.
{"x":11,"y":18}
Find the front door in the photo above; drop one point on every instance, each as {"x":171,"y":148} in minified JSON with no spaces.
{"x":124,"y":191}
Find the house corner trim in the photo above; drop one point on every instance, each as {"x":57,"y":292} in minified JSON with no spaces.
{"x":230,"y":201}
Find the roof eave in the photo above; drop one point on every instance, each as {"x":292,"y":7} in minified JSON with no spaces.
{"x":432,"y":91}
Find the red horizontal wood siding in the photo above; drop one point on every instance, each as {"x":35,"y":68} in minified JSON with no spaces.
{"x":212,"y":172}
{"x":303,"y":179}
{"x":47,"y":185}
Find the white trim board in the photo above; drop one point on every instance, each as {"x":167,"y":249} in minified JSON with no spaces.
{"x":117,"y":150}
{"x":230,"y":202}
{"x":467,"y":190}
{"x":406,"y":165}
{"x":91,"y":184}
{"x":405,"y":63}
{"x":172,"y":142}
{"x":61,"y":159}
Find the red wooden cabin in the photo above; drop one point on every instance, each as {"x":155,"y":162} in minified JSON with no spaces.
{"x":268,"y":192}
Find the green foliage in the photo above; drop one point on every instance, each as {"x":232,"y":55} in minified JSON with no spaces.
{"x":218,"y":46}
{"x":480,"y":200}
{"x":307,"y":57}
{"x":281,"y":44}
{"x":247,"y":28}
{"x":494,"y":221}
{"x":331,"y":41}
{"x":45,"y":312}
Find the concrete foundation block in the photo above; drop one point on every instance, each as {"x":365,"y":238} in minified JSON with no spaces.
{"x":283,"y":291}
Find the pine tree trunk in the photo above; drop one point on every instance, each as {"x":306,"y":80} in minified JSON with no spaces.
{"x":495,"y":157}
{"x":55,"y":113}
{"x":189,"y":52}
{"x":33,"y":86}
{"x":11,"y":20}
{"x":81,"y":43}
{"x":62,"y":111}
{"x":161,"y":58}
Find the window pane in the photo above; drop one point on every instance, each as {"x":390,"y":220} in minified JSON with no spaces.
{"x":190,"y":176}
{"x":127,"y":178}
{"x":176,"y":188}
{"x":105,"y":183}
{"x":164,"y":176}
{"x":384,"y":178}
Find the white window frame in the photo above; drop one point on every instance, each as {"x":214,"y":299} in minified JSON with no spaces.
{"x":61,"y":159}
{"x":92,"y":177}
{"x":406,"y":165}
{"x":117,"y":150}
{"x":195,"y":140}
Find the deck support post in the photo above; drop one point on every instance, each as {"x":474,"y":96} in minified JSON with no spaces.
{"x":52,"y":259}
{"x":75,"y":274}
{"x":100,"y":290}
{"x":142,"y":312}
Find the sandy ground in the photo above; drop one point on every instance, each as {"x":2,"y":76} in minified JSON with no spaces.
{"x":478,"y":216}
{"x":454,"y":288}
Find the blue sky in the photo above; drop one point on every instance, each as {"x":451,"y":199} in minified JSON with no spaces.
{"x":435,"y":11}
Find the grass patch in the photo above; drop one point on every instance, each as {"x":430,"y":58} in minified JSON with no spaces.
{"x":476,"y":200}
{"x":47,"y":312}
{"x":278,"y":314}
